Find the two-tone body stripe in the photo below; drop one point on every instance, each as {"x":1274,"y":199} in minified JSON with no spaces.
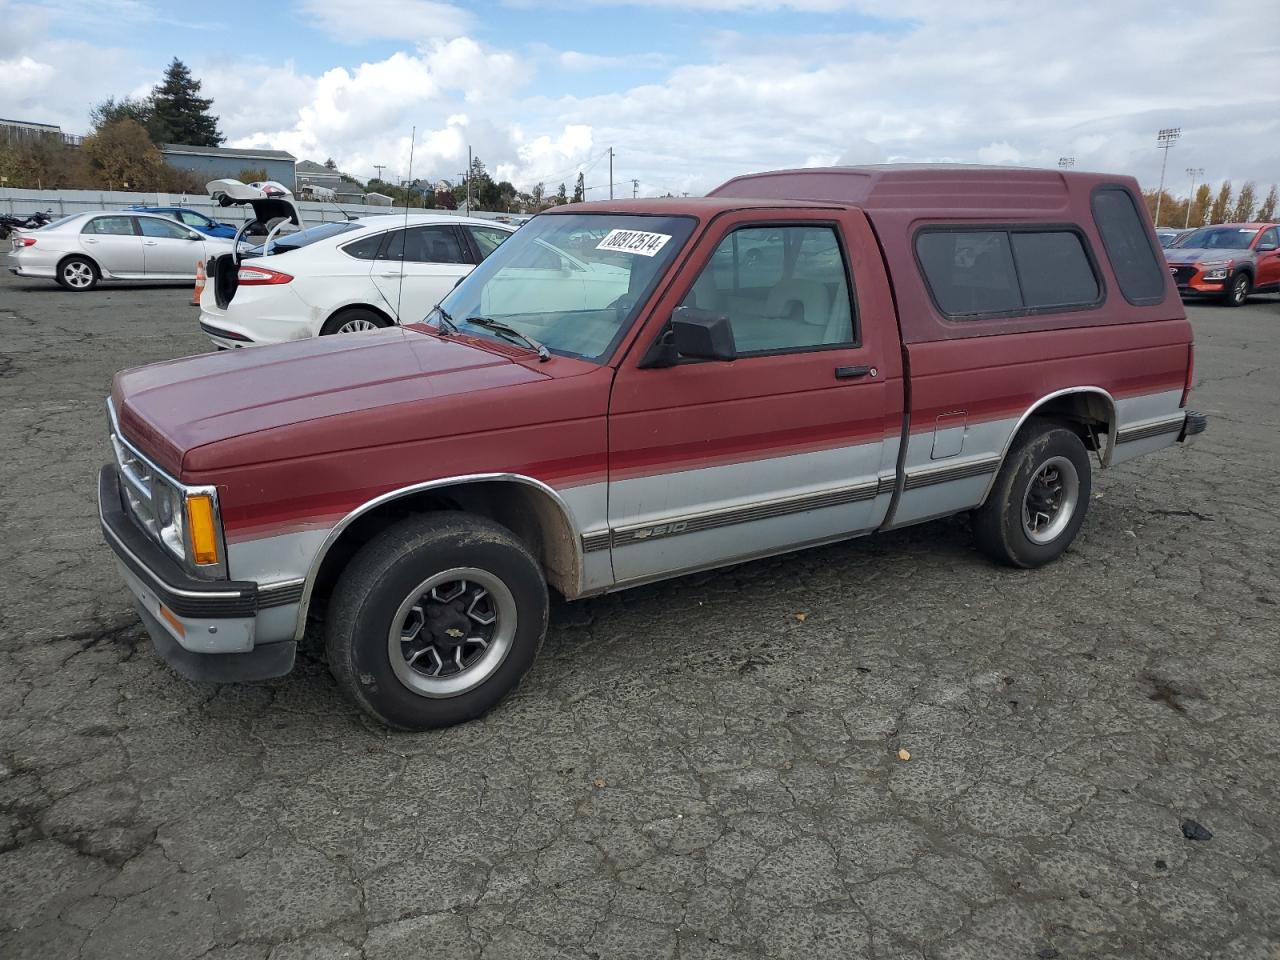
{"x":1171,"y":424}
{"x":712,"y":519}
{"x":961,"y":471}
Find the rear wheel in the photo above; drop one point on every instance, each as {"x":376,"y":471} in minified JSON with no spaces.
{"x":357,"y":320}
{"x":1237,"y":291}
{"x":78,"y":273}
{"x":436,"y":620}
{"x":1039,"y":500}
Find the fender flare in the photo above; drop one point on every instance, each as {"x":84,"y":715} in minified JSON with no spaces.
{"x":336,"y":532}
{"x":1113,"y":424}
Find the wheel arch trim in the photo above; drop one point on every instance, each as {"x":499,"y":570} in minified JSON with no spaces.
{"x":1113,"y":425}
{"x":80,"y":255}
{"x":336,"y":532}
{"x":357,"y":305}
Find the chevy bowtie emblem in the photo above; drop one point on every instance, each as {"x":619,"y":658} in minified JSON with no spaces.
{"x":454,"y":632}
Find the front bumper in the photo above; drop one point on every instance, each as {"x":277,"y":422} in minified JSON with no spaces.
{"x":206,"y":630}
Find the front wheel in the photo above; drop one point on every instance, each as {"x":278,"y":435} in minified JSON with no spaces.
{"x":436,"y":620}
{"x":1039,"y":500}
{"x":1237,"y":291}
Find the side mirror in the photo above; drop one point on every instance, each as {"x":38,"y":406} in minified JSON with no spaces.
{"x":702,"y":334}
{"x":192,"y":235}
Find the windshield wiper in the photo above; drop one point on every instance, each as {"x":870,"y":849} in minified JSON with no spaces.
{"x":447,"y":326}
{"x":510,"y":333}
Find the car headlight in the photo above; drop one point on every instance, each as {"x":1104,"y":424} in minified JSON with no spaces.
{"x":1216,"y":269}
{"x":186,"y":522}
{"x":170,"y":514}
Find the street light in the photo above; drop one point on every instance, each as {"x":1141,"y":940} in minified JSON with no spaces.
{"x":1066,"y":163}
{"x":1165,"y":139}
{"x":1195,"y":173}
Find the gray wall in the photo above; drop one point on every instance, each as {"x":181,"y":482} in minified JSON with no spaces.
{"x":214,"y":168}
{"x":23,"y":202}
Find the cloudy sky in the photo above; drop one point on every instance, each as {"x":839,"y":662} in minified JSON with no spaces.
{"x":687,"y":92}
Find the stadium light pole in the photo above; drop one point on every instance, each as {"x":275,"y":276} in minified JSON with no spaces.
{"x":1066,"y":163}
{"x":1195,"y":173}
{"x":1165,"y":139}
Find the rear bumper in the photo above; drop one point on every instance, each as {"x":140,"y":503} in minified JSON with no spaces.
{"x":1195,"y":424}
{"x":36,"y":272}
{"x":206,"y":630}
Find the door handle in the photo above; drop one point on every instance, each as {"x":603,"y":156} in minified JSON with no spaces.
{"x":394,"y":273}
{"x":90,"y":240}
{"x":149,"y":243}
{"x":852,"y":373}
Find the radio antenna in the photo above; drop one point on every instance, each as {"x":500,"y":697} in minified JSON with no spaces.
{"x":413,"y":136}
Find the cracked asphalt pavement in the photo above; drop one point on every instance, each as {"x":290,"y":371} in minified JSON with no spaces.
{"x":691,"y":769}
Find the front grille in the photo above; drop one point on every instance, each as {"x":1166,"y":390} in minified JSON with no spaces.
{"x":1182,"y":274}
{"x":138,"y":477}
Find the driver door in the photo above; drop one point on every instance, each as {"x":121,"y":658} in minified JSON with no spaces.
{"x":168,"y":249}
{"x":712,"y":461}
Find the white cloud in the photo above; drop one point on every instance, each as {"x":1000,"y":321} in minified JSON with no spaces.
{"x":409,"y":21}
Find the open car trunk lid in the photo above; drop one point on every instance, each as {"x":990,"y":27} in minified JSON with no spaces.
{"x":274,"y":210}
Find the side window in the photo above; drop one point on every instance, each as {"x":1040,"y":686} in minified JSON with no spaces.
{"x":1138,"y":268}
{"x":783,"y":288}
{"x":969,"y":273}
{"x":366,"y":248}
{"x":488,"y":239}
{"x":1268,"y":239}
{"x":193,"y":219}
{"x":1054,"y":270}
{"x":110,"y":226}
{"x":165,"y":229}
{"x":982,"y":273}
{"x":434,"y":244}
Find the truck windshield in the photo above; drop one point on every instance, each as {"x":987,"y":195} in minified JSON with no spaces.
{"x":1220,"y":238}
{"x":570,"y":281}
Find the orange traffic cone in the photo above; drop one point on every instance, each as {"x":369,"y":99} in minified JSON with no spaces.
{"x":195,"y":294}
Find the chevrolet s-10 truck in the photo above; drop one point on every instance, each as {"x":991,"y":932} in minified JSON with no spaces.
{"x":627,"y":391}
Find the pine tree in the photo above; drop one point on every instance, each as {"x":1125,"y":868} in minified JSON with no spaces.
{"x":580,"y":189}
{"x":330,"y":165}
{"x":1267,"y":211}
{"x":561,"y":195}
{"x":1221,"y":205}
{"x":1243,"y":212}
{"x":178,"y":113}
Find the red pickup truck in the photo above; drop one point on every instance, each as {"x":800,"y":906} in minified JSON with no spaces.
{"x":632,"y":390}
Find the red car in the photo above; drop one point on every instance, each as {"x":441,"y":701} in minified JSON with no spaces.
{"x":1227,"y":260}
{"x":627,"y":391}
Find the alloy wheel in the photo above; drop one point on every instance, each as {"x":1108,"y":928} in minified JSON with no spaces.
{"x":1050,"y":500}
{"x":77,"y":275}
{"x":452,"y":632}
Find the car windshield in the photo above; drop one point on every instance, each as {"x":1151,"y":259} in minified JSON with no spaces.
{"x":284,"y":242}
{"x":572,"y":282}
{"x":1220,"y":238}
{"x":1167,"y":239}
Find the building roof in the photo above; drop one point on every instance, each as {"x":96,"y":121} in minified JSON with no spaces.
{"x":233,"y":153}
{"x":29,"y":123}
{"x":310,"y":166}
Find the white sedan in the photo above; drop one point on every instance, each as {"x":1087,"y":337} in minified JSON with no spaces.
{"x":342,"y":277}
{"x":83,"y":249}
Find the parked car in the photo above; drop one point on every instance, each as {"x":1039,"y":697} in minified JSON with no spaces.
{"x":342,"y":277}
{"x":938,"y":341}
{"x":1228,"y":260}
{"x":1169,"y":236}
{"x":194,"y":219}
{"x":80,"y":250}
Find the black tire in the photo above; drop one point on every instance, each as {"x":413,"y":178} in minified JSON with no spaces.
{"x":78,"y":274}
{"x":1237,"y":290}
{"x":384,"y":576}
{"x":1000,"y":525}
{"x":356,"y":315}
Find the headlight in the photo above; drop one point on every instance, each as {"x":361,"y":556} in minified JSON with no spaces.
{"x":170,"y":517}
{"x":1216,"y":269}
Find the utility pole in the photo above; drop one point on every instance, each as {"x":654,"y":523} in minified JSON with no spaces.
{"x":469,"y":162}
{"x":1165,"y":139}
{"x":635,"y":187}
{"x":611,"y":173}
{"x":379,"y":167}
{"x":1195,"y":173}
{"x":1066,"y":163}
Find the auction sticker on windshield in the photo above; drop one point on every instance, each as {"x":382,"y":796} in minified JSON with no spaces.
{"x":634,"y":241}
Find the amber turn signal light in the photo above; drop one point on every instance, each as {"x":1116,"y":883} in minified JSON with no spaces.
{"x":201,"y":529}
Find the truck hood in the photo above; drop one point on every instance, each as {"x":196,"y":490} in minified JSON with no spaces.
{"x":196,"y":413}
{"x":1180,"y":255}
